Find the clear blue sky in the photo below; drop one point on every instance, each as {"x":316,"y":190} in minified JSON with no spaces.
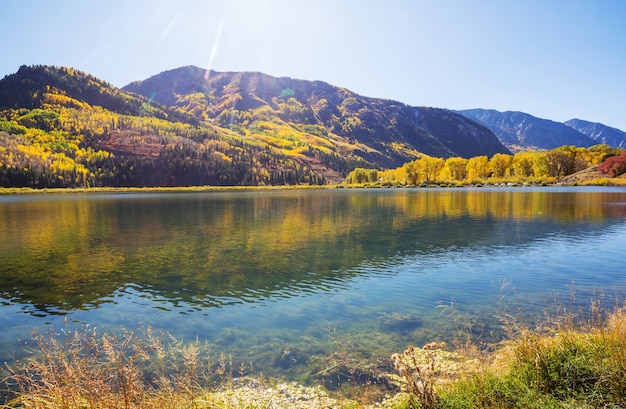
{"x":550,"y":58}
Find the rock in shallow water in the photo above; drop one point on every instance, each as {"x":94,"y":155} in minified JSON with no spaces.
{"x":400,"y":323}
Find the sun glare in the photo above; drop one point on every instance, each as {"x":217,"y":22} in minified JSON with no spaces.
{"x":216,"y":44}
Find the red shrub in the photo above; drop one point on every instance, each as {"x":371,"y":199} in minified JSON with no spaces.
{"x":614,"y":166}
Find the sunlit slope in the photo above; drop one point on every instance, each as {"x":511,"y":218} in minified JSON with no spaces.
{"x":297,"y":115}
{"x":60,"y":127}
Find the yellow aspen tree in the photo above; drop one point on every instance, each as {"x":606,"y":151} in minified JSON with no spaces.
{"x":522,"y":164}
{"x":500,"y":165}
{"x":478,"y":168}
{"x":455,"y":168}
{"x":540,"y":164}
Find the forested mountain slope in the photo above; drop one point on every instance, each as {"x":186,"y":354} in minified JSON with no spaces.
{"x":63,"y":127}
{"x":383,"y":132}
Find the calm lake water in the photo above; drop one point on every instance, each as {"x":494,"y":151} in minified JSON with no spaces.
{"x":282,"y":277}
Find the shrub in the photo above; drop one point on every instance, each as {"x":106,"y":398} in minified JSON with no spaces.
{"x":614,"y":166}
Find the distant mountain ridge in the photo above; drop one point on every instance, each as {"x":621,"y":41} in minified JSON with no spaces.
{"x":599,"y":132}
{"x":521,"y":131}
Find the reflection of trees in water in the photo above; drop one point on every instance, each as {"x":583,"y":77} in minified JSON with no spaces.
{"x":215,"y":248}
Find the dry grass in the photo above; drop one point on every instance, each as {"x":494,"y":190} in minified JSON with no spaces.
{"x":83,"y":369}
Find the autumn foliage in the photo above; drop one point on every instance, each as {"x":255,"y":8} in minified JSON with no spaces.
{"x":60,"y":127}
{"x":523,"y":167}
{"x":51,"y":137}
{"x":614,"y":166}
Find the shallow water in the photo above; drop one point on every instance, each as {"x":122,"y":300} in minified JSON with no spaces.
{"x":281,"y":277}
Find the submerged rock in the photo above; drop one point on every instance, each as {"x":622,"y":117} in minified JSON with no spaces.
{"x":338,"y":376}
{"x":288,"y":358}
{"x":400,"y":323}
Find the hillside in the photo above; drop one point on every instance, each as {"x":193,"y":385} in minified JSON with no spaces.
{"x":62,"y":127}
{"x":520,"y":131}
{"x":389,"y":132}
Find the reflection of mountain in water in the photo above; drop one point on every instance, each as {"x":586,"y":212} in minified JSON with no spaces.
{"x":211,"y":249}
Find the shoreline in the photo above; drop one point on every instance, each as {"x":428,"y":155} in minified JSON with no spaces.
{"x":168,"y":189}
{"x":5,"y":191}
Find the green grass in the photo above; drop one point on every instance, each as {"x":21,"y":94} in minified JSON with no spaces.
{"x":567,"y":367}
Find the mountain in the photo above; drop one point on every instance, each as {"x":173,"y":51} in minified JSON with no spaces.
{"x":599,"y":132}
{"x":390,"y":133}
{"x":520,"y":131}
{"x":63,"y":127}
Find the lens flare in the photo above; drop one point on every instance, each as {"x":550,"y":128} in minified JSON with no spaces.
{"x":146,"y":105}
{"x":216,"y":43}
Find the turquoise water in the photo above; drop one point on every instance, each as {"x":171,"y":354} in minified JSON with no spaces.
{"x":265,"y":275}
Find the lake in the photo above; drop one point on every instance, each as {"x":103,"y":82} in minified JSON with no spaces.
{"x":284,"y":278}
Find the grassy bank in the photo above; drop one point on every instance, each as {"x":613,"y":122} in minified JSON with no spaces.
{"x":178,"y":189}
{"x":568,"y":363}
{"x":378,"y":184}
